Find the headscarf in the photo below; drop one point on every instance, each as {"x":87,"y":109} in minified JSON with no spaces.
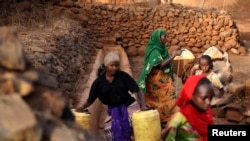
{"x":111,"y":57}
{"x":156,"y":51}
{"x":198,"y":120}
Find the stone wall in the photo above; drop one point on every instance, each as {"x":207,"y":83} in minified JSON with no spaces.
{"x":195,"y":30}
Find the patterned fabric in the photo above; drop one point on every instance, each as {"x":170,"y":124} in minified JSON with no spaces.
{"x":156,"y":52}
{"x":120,"y":127}
{"x":108,"y":121}
{"x":199,"y":121}
{"x":213,"y":77}
{"x":180,"y":130}
{"x":161,"y":94}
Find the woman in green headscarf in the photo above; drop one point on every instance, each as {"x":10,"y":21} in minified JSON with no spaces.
{"x":156,"y":79}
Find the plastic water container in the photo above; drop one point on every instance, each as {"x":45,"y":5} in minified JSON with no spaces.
{"x":82,"y":118}
{"x":146,"y":125}
{"x":180,"y":63}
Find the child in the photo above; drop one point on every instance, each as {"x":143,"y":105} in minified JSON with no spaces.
{"x":191,"y":122}
{"x":205,"y":67}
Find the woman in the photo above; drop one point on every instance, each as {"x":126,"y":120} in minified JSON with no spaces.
{"x":156,"y":79}
{"x":206,"y":67}
{"x":191,"y":123}
{"x":112,"y":87}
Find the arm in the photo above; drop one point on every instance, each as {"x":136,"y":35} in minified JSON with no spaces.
{"x":141,"y":100}
{"x":194,"y":68}
{"x":221,"y":92}
{"x":93,"y":94}
{"x":133,"y":88}
{"x":169,"y":132}
{"x":217,"y":84}
{"x":84,"y":106}
{"x":168,"y":60}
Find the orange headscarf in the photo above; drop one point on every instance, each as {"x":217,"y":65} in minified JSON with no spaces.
{"x":198,"y":120}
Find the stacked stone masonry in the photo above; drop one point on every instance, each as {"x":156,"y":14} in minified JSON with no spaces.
{"x":195,"y":30}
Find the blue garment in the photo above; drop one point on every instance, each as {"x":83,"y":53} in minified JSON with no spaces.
{"x":121,"y":129}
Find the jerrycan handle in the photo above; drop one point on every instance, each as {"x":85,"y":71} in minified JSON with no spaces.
{"x":86,"y":111}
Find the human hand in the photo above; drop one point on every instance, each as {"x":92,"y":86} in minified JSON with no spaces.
{"x":163,"y":134}
{"x":79,"y":109}
{"x":145,"y":108}
{"x":178,"y":52}
{"x":196,"y":67}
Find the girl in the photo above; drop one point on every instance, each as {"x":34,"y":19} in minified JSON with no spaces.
{"x":191,"y":122}
{"x":206,"y":67}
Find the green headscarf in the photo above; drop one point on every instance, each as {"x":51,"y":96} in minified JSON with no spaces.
{"x":156,"y":51}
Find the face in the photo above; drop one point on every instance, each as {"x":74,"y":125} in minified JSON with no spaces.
{"x":204,"y":65}
{"x":112,"y":67}
{"x":164,"y":38}
{"x":202,"y":98}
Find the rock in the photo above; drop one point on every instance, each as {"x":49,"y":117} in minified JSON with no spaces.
{"x":47,"y":100}
{"x":223,"y":121}
{"x":219,"y":112}
{"x":47,"y":80}
{"x":234,"y":112}
{"x":62,"y":133}
{"x":36,"y":49}
{"x":141,"y":50}
{"x":234,"y":115}
{"x":247,"y":89}
{"x":173,"y":48}
{"x":234,"y":51}
{"x":236,"y":106}
{"x":238,"y":77}
{"x":17,"y":120}
{"x":225,"y":99}
{"x":236,"y":89}
{"x":231,"y":42}
{"x":23,"y":87}
{"x":7,"y":87}
{"x":11,"y":51}
{"x":67,"y":3}
{"x":246,"y":120}
{"x":68,"y":86}
{"x":242,"y":50}
{"x":131,"y":51}
{"x":31,"y":75}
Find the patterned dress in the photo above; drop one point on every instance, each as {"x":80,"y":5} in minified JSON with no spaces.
{"x":180,"y":130}
{"x":157,"y":82}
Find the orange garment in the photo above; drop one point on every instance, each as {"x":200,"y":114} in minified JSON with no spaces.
{"x":161,"y":94}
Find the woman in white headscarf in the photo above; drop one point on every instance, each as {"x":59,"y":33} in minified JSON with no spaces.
{"x":112,"y":87}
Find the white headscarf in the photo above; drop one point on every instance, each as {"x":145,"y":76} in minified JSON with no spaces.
{"x":111,"y":57}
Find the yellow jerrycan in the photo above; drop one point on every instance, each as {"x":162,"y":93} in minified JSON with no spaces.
{"x":82,"y":118}
{"x":146,"y":125}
